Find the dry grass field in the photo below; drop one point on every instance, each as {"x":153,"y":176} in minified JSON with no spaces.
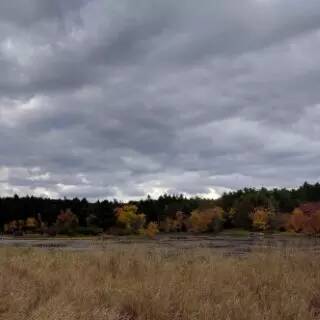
{"x":136,"y":282}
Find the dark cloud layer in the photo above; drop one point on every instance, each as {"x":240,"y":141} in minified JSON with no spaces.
{"x":106,"y":99}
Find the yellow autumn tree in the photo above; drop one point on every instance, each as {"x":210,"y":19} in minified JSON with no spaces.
{"x":31,"y":224}
{"x":261,"y":218}
{"x":129,"y":218}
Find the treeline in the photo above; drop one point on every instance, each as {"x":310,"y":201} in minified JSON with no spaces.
{"x":261,"y":209}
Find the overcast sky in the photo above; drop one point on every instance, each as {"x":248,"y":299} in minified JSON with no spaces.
{"x":110,"y":98}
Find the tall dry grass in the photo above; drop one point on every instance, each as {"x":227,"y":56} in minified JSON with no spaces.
{"x":143,"y":283}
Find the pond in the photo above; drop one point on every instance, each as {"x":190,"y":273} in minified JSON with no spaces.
{"x":224,"y":243}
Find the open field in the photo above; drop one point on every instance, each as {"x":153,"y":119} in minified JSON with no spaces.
{"x":145,"y":282}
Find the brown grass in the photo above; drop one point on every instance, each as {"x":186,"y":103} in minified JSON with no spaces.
{"x":132,"y":282}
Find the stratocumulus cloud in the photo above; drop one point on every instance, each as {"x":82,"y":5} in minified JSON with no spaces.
{"x":105,"y":99}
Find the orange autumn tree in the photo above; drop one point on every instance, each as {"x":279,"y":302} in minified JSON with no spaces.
{"x":312,"y":223}
{"x":204,"y":220}
{"x":152,"y":230}
{"x":306,"y":222}
{"x":67,"y":221}
{"x":177,"y":223}
{"x":282,"y":221}
{"x":297,"y":221}
{"x":315,"y":222}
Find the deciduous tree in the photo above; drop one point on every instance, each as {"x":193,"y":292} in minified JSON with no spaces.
{"x":297,"y":220}
{"x":312,"y":224}
{"x":67,"y":221}
{"x":261,"y":218}
{"x":129,"y":218}
{"x":152,"y":230}
{"x":31,"y":224}
{"x":206,"y":220}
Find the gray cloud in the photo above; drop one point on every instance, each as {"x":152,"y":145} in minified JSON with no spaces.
{"x":106,"y":99}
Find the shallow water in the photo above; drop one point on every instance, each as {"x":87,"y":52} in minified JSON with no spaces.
{"x":223,"y":243}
